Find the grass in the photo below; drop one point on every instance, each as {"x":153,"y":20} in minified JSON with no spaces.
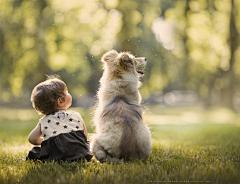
{"x":190,"y":145}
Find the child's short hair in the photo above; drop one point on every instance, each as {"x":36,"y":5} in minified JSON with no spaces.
{"x":45,"y":95}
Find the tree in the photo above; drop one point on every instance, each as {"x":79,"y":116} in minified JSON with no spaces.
{"x":229,"y":76}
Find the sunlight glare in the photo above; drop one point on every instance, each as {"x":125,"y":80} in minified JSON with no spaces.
{"x":164,"y":32}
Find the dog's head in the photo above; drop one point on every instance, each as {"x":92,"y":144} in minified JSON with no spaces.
{"x":123,"y":62}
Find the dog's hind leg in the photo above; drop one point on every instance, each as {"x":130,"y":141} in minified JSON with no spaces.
{"x":101,"y":154}
{"x":98,"y":151}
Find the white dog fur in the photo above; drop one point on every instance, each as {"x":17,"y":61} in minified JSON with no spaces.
{"x":120,"y":132}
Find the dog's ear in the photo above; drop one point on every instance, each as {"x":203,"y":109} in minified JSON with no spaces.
{"x":125,"y":58}
{"x":109,"y":56}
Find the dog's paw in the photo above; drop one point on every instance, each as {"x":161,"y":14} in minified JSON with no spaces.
{"x":100,"y":155}
{"x":112,"y":159}
{"x":109,"y":56}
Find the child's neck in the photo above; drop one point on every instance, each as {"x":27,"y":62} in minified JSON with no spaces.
{"x":62,"y":109}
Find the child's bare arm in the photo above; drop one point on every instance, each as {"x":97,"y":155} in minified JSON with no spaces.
{"x":35,"y":135}
{"x":85,"y":129}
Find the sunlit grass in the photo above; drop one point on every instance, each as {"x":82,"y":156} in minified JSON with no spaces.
{"x":189,"y":145}
{"x":190,"y":115}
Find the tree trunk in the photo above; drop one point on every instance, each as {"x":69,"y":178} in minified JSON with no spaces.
{"x":229,"y":90}
{"x":41,"y":39}
{"x":184,"y":74}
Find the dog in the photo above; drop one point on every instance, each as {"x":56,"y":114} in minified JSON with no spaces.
{"x":120,"y":132}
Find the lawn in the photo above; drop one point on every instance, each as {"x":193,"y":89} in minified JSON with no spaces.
{"x":189,"y":145}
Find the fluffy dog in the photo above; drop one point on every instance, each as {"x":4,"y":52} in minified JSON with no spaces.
{"x":120,"y":132}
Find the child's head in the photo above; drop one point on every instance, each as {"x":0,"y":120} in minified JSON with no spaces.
{"x":50,"y":96}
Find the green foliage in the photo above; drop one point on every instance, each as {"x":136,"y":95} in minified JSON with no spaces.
{"x":195,"y":48}
{"x":182,"y":151}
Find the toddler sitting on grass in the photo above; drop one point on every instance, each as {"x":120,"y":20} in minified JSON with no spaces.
{"x":61,"y":133}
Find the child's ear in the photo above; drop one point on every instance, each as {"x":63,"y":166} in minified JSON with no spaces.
{"x":60,"y":102}
{"x":109,"y":56}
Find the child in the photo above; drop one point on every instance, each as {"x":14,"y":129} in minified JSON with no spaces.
{"x":64,"y":132}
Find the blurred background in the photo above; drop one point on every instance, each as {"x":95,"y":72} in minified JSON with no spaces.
{"x":192,"y":48}
{"x":191,"y":86}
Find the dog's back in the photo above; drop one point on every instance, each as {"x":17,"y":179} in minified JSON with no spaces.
{"x":120,"y":109}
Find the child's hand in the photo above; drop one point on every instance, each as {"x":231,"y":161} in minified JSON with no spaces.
{"x":85,"y":129}
{"x":35,"y":135}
